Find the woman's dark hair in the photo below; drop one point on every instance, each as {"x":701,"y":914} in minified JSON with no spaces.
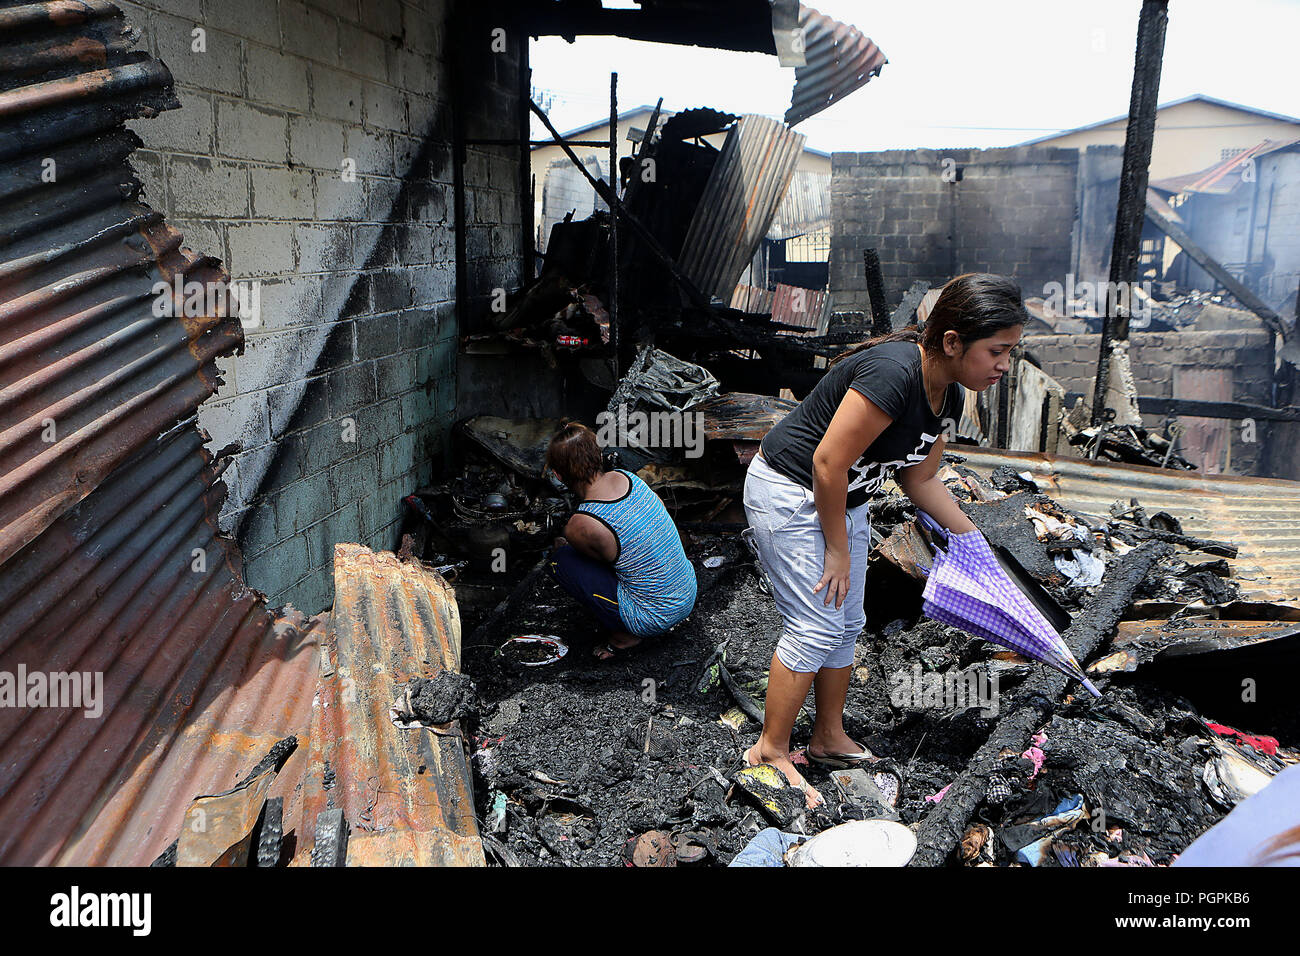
{"x":574,"y":454}
{"x":975,"y":306}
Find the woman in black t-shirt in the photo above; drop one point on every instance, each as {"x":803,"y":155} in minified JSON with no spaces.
{"x":880,"y":411}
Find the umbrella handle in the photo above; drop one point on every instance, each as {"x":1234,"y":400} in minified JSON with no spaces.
{"x":934,"y":529}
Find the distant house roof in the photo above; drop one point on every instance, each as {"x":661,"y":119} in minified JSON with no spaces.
{"x":604,"y":121}
{"x":638,"y":111}
{"x":1219,"y":178}
{"x":1198,"y":97}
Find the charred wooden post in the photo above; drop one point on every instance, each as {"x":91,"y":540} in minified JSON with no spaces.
{"x":880,"y":320}
{"x":331,"y":846}
{"x":613,"y":218}
{"x":1131,"y":212}
{"x":526,"y":184}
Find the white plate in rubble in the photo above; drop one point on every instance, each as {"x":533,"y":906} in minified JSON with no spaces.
{"x":556,"y":648}
{"x":858,"y":843}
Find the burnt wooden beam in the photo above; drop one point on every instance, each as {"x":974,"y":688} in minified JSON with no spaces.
{"x":485,"y":633}
{"x":331,"y":846}
{"x":525,"y":164}
{"x":1035,"y":701}
{"x":269,"y":836}
{"x":1153,"y":405}
{"x":1211,"y":265}
{"x":745,"y":27}
{"x":1224,"y":549}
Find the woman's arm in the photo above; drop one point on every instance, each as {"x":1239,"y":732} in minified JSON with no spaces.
{"x":590,"y":538}
{"x":856,"y":424}
{"x":927,"y":492}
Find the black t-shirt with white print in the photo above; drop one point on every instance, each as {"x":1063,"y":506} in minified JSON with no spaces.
{"x":890,"y":375}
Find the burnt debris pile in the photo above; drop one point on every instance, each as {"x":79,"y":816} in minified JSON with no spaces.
{"x":989,"y":757}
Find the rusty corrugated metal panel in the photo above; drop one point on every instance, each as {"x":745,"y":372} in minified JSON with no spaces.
{"x":807,"y":308}
{"x":840,"y":59}
{"x":111,"y":561}
{"x":405,"y":793}
{"x":791,"y":305}
{"x":805,"y":207}
{"x":198,"y":679}
{"x":744,"y":188}
{"x":751,"y":299}
{"x":1259,"y":515}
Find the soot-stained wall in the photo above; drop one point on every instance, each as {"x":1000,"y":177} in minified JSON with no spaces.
{"x":313,"y":155}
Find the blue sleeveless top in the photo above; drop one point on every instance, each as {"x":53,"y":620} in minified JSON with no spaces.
{"x":656,"y":582}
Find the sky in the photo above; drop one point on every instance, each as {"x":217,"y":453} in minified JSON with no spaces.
{"x":979,"y":74}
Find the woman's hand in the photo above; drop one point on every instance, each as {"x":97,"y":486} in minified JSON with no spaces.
{"x":835,"y":576}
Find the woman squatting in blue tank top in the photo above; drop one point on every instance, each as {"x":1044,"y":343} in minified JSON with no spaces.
{"x":621,"y":555}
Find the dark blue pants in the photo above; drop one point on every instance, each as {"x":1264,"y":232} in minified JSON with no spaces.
{"x":592,"y":583}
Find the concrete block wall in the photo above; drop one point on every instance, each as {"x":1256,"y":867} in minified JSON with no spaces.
{"x":313,"y":154}
{"x":565,"y":190}
{"x":1278,"y":237}
{"x":1168,"y":365}
{"x":1012,"y":212}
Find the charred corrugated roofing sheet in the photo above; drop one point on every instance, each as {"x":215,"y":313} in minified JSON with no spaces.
{"x":840,"y":60}
{"x":745,"y":186}
{"x":111,"y":562}
{"x":1259,"y":515}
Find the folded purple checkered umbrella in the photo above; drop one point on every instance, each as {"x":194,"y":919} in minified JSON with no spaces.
{"x":968,"y":589}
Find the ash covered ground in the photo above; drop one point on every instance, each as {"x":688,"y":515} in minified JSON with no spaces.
{"x":574,"y":760}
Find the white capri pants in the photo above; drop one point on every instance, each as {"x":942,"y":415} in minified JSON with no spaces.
{"x":788,"y":536}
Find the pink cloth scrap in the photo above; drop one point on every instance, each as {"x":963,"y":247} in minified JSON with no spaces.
{"x":936,"y":797}
{"x":1036,"y":755}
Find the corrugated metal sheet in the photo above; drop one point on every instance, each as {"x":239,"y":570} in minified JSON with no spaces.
{"x":405,"y":793}
{"x":840,"y":59}
{"x":751,"y":299}
{"x":792,"y":305}
{"x":805,"y":207}
{"x":808,"y":308}
{"x":110,"y":556}
{"x":749,"y":178}
{"x":1259,"y":515}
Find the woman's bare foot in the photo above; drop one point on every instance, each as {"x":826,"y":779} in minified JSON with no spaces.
{"x":620,"y":641}
{"x":756,"y":755}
